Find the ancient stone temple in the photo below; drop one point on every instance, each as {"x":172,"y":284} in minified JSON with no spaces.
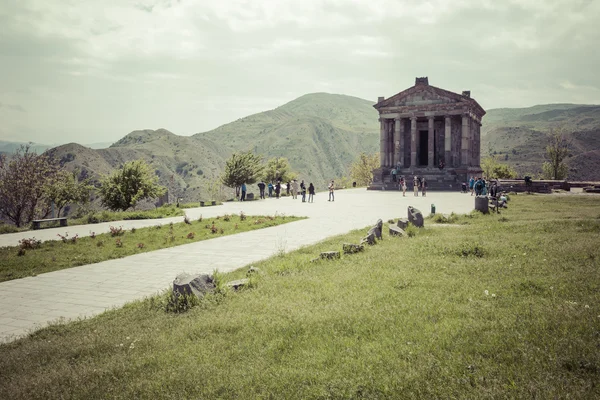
{"x":428,"y":132}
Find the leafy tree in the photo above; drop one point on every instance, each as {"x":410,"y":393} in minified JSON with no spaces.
{"x":242,"y":167}
{"x":278,"y":169}
{"x":556,"y":153}
{"x":128,"y":185}
{"x":22,"y":184}
{"x":493,"y":168}
{"x":361,"y":170}
{"x":64,"y":188}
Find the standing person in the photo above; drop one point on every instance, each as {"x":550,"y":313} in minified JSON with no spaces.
{"x":243,"y":198}
{"x":472,"y":185}
{"x":287,"y":189}
{"x":277,"y":189}
{"x":331,"y":188}
{"x":394,"y":174}
{"x":403,"y":186}
{"x":303,"y":189}
{"x":270,"y":189}
{"x":424,"y":187}
{"x":311,"y":193}
{"x":295,"y":189}
{"x":261,"y":188}
{"x":416,"y":186}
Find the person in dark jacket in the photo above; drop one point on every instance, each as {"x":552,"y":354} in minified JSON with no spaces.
{"x":270,"y":189}
{"x":261,"y":188}
{"x":277,"y":189}
{"x":311,"y":193}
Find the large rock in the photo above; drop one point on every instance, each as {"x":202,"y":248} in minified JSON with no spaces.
{"x":402,"y":223}
{"x":250,"y":196}
{"x":415,"y":217}
{"x":330,"y":255}
{"x":197,"y":285}
{"x":238,"y":284}
{"x":376,"y":230}
{"x":395,"y":231}
{"x":350,"y":248}
{"x":369,"y":239}
{"x":482,"y":204}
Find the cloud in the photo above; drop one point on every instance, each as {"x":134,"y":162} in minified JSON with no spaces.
{"x":12,"y":107}
{"x":102,"y":69}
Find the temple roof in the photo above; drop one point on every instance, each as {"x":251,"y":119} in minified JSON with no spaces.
{"x":424,"y":97}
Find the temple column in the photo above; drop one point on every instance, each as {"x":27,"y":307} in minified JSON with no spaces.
{"x":464,"y":149}
{"x":430,"y":143}
{"x":390,"y":143}
{"x":401,"y":146}
{"x":381,"y":142}
{"x":397,"y":142}
{"x":448,"y":141}
{"x":413,"y":141}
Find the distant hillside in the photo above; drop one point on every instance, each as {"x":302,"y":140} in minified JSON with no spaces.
{"x":11,"y":147}
{"x":518,"y":135}
{"x":320,"y":133}
{"x":183,"y":164}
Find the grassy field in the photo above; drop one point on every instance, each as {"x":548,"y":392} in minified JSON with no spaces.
{"x":106,"y":216}
{"x":34,"y":258}
{"x":495,"y":306}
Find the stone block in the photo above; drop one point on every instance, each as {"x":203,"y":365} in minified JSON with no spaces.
{"x":250,"y":196}
{"x":369,"y":239}
{"x":253,"y":271}
{"x":197,"y":285}
{"x":330,"y":255}
{"x":395,"y":231}
{"x":377,"y":229}
{"x":349,"y":248}
{"x":402,"y":223}
{"x":415,"y":217}
{"x":237,"y":284}
{"x":482,"y":204}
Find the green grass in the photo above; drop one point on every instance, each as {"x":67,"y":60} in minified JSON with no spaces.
{"x":55,"y":255}
{"x":166,"y":211}
{"x":494,"y":306}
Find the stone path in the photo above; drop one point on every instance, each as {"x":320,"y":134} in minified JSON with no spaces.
{"x":30,"y":303}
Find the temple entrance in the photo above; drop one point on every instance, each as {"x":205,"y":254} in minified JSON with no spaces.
{"x":423,"y":148}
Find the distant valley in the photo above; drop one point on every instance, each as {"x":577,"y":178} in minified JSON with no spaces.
{"x":321,"y":134}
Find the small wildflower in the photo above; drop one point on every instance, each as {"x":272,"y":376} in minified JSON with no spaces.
{"x":493,"y":294}
{"x":486,"y":292}
{"x":544,"y":259}
{"x":524,"y":254}
{"x":586,"y":306}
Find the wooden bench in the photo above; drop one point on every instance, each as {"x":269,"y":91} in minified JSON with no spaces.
{"x":37,"y":222}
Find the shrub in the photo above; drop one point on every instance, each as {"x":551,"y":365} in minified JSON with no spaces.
{"x":99,"y":243}
{"x":242,"y":216}
{"x":191,"y":235}
{"x":186,"y":219}
{"x":92,"y":235}
{"x":118,"y":242}
{"x":140,"y":245}
{"x":226,"y":218}
{"x":200,"y":218}
{"x":29,"y":244}
{"x":116,"y":231}
{"x":213,"y":228}
{"x":66,"y":238}
{"x":411,"y":230}
{"x":133,"y":230}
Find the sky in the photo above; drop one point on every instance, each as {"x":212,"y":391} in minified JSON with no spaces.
{"x":90,"y":71}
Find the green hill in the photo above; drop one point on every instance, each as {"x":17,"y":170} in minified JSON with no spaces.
{"x":320,"y":134}
{"x":518,"y":135}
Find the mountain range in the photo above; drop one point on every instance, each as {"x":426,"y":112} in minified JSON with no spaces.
{"x":321,"y":134}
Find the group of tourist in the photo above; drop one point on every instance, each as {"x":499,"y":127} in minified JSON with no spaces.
{"x":418,"y":183}
{"x":479,"y":187}
{"x":292,"y":188}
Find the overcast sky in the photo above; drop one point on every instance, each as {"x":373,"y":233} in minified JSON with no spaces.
{"x":94,"y":70}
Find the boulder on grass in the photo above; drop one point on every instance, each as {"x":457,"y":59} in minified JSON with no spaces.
{"x":395,"y":231}
{"x":330,"y":255}
{"x":197,"y":285}
{"x":415,"y":217}
{"x":376,"y":230}
{"x":237,"y":284}
{"x":369,"y":239}
{"x":402,"y":223}
{"x":349,"y":248}
{"x":482,"y":204}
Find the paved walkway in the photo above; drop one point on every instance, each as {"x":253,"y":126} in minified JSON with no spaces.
{"x":30,"y":303}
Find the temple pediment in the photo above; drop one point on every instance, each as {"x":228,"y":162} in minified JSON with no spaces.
{"x":426,"y":97}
